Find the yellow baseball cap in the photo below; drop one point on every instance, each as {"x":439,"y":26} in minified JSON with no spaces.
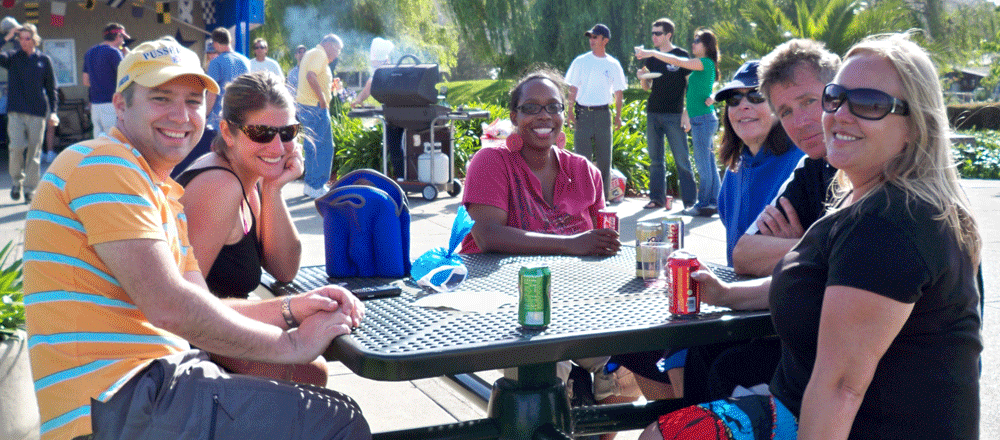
{"x":155,"y":62}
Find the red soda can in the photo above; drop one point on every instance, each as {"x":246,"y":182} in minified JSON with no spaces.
{"x":673,"y":232}
{"x":607,"y":219}
{"x":685,"y":293}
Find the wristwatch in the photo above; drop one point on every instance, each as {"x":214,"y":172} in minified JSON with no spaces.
{"x":286,"y":312}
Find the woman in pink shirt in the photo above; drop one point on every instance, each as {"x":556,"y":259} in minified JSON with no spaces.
{"x":532,"y":196}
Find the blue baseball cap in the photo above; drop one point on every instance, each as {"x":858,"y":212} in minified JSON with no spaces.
{"x":745,"y":77}
{"x":599,"y":29}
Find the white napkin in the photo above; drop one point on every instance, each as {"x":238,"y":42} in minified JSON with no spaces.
{"x":466,"y":301}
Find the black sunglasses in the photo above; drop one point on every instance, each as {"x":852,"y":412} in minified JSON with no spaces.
{"x":260,"y":47}
{"x":658,"y":33}
{"x":534,"y":109}
{"x":867,"y":104}
{"x":263,"y":134}
{"x":753,"y":96}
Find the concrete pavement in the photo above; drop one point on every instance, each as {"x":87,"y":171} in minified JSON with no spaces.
{"x":400,"y":405}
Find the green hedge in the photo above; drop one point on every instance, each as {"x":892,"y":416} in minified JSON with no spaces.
{"x":975,"y":116}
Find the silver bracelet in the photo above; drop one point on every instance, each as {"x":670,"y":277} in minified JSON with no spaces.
{"x":286,"y":312}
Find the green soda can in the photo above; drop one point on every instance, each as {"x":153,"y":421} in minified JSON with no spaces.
{"x":534,"y":309}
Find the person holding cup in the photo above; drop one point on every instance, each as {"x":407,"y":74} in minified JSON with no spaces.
{"x":699,"y":115}
{"x":666,"y":116}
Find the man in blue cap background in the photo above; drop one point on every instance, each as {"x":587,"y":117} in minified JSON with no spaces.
{"x":593,"y":79}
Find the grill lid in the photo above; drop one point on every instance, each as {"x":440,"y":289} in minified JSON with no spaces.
{"x":406,"y":85}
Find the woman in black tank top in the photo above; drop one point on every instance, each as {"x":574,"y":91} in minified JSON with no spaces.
{"x":238,"y":222}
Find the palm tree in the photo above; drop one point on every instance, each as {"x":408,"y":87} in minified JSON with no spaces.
{"x":839,"y":23}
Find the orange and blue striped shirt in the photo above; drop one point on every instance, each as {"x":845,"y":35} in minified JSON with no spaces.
{"x":86,"y":337}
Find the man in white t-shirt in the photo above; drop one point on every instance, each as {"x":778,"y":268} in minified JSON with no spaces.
{"x":594,"y":78}
{"x":261,"y":61}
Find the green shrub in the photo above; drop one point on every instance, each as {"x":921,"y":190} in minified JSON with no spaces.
{"x":11,"y":294}
{"x":357,"y":146}
{"x":981,"y":161}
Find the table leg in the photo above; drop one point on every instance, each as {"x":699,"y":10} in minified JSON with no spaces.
{"x":537,"y":398}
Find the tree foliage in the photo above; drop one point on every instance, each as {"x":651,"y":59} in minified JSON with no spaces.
{"x":838,"y":23}
{"x":517,"y":34}
{"x":414,"y":26}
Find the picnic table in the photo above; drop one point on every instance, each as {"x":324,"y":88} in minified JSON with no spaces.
{"x":599,"y":308}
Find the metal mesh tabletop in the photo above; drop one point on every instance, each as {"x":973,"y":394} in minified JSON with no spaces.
{"x":599,"y":307}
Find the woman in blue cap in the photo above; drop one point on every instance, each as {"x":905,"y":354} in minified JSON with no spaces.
{"x":756,"y":151}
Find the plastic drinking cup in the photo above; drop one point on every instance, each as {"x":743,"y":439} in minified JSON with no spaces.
{"x":653,"y":257}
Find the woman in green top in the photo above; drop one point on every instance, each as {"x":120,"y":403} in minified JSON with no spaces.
{"x":699,"y":109}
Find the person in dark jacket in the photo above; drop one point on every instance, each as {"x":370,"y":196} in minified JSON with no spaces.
{"x":31,"y":84}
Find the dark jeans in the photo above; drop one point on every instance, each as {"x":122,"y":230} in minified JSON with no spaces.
{"x":592,"y":139}
{"x":659,"y":125}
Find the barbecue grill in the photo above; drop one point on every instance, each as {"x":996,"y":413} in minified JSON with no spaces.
{"x":410,"y":100}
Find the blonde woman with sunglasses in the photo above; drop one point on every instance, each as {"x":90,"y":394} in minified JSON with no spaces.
{"x":877,"y":306}
{"x":237,"y":220}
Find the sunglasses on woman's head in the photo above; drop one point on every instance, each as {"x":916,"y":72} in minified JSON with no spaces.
{"x":753,"y":96}
{"x":263,"y":134}
{"x":867,"y":104}
{"x":534,"y":109}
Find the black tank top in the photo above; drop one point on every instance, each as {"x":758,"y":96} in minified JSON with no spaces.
{"x":237,"y":269}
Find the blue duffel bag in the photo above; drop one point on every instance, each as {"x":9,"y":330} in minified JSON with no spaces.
{"x":366,"y":226}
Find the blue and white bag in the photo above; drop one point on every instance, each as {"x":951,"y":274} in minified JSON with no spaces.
{"x":366,"y":225}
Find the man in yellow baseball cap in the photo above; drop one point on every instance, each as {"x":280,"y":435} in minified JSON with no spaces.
{"x":114,"y":297}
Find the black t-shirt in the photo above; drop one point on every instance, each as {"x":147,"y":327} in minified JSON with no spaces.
{"x":926,"y":386}
{"x":667,"y":93}
{"x":807,"y":190}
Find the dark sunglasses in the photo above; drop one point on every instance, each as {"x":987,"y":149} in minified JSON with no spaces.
{"x":696,"y":40}
{"x":263,"y":134}
{"x":753,"y":96}
{"x":534,"y":109}
{"x":260,"y":47}
{"x":867,"y":104}
{"x":658,"y":33}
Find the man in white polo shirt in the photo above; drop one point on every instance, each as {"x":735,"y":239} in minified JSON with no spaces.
{"x":593,"y":79}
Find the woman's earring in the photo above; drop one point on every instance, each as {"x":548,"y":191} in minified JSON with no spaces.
{"x":561,"y":140}
{"x":515,"y":142}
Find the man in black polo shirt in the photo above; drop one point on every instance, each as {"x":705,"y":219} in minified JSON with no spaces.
{"x":792,"y":78}
{"x":32,"y":100}
{"x":665,"y":116}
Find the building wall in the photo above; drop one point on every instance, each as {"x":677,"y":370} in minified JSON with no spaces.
{"x":85,"y":28}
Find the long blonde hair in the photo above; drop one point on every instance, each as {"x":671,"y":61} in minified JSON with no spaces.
{"x":924,"y":169}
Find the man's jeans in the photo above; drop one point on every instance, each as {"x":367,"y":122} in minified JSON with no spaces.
{"x":26,"y":133}
{"x":592,"y":139}
{"x":703,"y":130}
{"x":318,"y":146}
{"x":669,"y":125}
